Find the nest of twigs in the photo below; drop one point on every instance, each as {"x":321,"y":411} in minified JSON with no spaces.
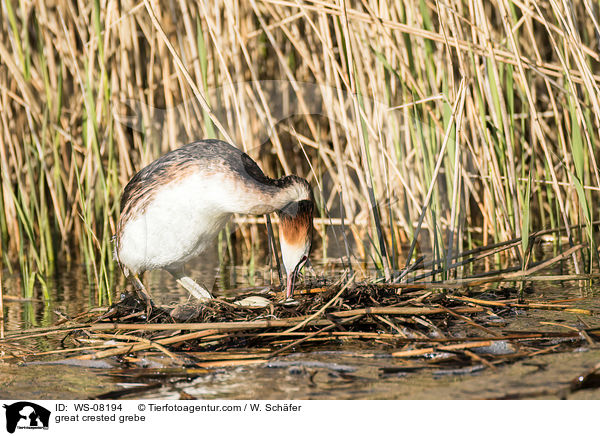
{"x":453,"y":327}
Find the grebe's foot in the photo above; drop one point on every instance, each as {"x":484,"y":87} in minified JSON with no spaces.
{"x":142,"y":294}
{"x":192,"y":287}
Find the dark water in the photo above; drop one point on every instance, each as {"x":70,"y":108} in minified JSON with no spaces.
{"x":337,"y":370}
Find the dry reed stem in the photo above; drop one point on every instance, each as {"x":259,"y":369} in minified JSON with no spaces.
{"x":453,"y":347}
{"x":146,"y":345}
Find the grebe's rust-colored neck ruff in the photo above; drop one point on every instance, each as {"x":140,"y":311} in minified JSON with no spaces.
{"x":172,"y":210}
{"x":295,"y":221}
{"x":295,"y":236}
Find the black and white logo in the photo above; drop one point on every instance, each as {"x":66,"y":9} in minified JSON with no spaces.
{"x":26,"y":415}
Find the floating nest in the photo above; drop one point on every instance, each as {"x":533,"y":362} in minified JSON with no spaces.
{"x":456,"y":327}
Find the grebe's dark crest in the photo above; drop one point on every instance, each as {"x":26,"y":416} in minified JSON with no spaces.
{"x":172,"y":210}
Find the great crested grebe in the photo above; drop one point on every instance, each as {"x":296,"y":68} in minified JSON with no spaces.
{"x":173,"y":209}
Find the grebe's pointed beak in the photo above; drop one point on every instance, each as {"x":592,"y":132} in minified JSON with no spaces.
{"x":291,"y":278}
{"x":289,"y":289}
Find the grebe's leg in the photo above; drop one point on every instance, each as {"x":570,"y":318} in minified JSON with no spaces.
{"x":141,"y":291}
{"x":188,"y":283}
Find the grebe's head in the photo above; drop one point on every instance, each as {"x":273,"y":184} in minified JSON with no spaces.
{"x":295,"y":236}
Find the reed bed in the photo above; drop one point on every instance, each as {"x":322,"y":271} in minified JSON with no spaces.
{"x":441,"y":126}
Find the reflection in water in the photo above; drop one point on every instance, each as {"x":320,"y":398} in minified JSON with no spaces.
{"x":304,"y":378}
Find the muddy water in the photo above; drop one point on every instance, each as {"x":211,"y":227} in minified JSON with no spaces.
{"x":337,"y":370}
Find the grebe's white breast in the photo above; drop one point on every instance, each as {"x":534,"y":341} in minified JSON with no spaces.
{"x":180,"y":222}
